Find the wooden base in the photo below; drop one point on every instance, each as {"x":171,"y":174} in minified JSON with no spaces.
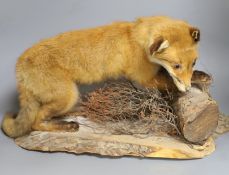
{"x":92,"y":138}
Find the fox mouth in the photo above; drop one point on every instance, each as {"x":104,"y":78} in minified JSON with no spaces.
{"x":179,"y":84}
{"x":181,"y":87}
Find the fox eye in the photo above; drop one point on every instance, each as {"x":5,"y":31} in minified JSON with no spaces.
{"x":177,"y":66}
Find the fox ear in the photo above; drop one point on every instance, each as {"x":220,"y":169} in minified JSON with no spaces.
{"x":195,"y":33}
{"x":158,"y":45}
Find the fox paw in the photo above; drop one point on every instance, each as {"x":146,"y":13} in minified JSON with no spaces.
{"x":67,"y":126}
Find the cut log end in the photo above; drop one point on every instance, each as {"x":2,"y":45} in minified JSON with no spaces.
{"x":198,"y":115}
{"x":203,"y":126}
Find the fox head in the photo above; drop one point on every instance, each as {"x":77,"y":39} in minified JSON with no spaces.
{"x":173,"y":45}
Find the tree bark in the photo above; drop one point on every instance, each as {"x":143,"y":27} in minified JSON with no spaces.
{"x":198,"y":115}
{"x":91,"y":139}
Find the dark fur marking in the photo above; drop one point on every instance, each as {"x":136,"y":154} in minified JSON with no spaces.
{"x":157,"y":43}
{"x":195,"y":34}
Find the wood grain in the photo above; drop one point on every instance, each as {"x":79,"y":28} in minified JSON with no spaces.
{"x":198,"y":115}
{"x":91,"y":139}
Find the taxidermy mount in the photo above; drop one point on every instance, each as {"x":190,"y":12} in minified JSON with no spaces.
{"x":48,"y":72}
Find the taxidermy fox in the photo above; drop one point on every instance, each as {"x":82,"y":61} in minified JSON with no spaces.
{"x":48,"y":72}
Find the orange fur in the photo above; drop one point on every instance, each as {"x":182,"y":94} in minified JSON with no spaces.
{"x":48,"y":71}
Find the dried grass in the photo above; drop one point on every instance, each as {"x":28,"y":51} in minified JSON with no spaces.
{"x":125,"y":109}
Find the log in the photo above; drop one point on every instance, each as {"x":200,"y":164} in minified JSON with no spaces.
{"x":201,"y":80}
{"x":198,"y":115}
{"x":92,"y":139}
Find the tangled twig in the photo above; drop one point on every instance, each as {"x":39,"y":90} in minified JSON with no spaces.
{"x":126,"y":109}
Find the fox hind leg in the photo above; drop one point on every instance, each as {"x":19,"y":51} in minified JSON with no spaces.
{"x":61,"y":103}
